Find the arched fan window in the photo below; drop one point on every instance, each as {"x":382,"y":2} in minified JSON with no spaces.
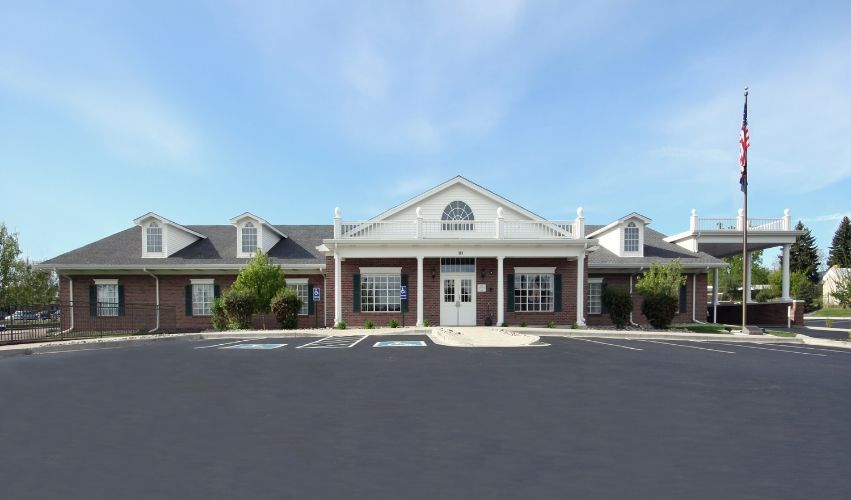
{"x":249,"y":238}
{"x":154,"y":238}
{"x":457,"y":211}
{"x":630,"y":238}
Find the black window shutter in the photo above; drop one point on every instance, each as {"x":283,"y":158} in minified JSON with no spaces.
{"x":121,"y":300}
{"x":356,"y":292}
{"x":188,"y":297}
{"x":217,"y":291}
{"x":93,"y":300}
{"x":310,"y":304}
{"x":404,"y":282}
{"x":683,"y":299}
{"x":604,"y":308}
{"x":557,"y":292}
{"x":509,"y":295}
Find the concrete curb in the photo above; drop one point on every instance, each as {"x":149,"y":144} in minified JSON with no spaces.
{"x":842,"y":344}
{"x":490,"y":337}
{"x":841,"y":318}
{"x":620,"y":334}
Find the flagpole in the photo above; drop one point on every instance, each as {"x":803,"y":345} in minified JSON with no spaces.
{"x":745,"y":285}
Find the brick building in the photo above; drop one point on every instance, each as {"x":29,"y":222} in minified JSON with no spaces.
{"x":457,"y":254}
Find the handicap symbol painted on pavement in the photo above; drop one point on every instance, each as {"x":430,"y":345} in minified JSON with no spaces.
{"x":253,"y":346}
{"x":400,"y":343}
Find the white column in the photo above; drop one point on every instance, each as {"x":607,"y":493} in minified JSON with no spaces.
{"x":500,"y":223}
{"x":580,"y":290}
{"x":786,"y":249}
{"x":693,"y":220}
{"x":787,"y":220}
{"x":338,"y":292}
{"x":715,"y":297}
{"x":419,"y":222}
{"x":748,"y":270}
{"x":579,"y":223}
{"x":500,"y":292}
{"x":338,"y":222}
{"x":419,"y":291}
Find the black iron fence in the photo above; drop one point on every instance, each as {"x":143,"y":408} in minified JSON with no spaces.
{"x":63,"y":321}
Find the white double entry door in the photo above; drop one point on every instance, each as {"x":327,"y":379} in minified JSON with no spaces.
{"x":458,"y":299}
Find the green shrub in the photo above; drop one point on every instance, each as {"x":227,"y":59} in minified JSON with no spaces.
{"x":504,"y":324}
{"x":217,"y":314}
{"x":522,"y":323}
{"x":263,"y":279}
{"x":662,"y":279}
{"x":426,"y":323}
{"x":239,"y":306}
{"x":551,"y":324}
{"x":286,"y":305}
{"x":341,"y":325}
{"x":574,"y":326}
{"x":660,"y":309}
{"x":393,"y":323}
{"x":766,"y":294}
{"x":368,"y":324}
{"x":619,"y":304}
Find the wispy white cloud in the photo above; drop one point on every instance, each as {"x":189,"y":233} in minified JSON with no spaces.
{"x":126,"y":117}
{"x":827,"y":217}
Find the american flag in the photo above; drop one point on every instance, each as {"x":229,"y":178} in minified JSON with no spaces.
{"x":744,"y":144}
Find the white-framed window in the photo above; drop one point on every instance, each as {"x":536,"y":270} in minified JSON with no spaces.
{"x":153,"y":238}
{"x":107,"y":297}
{"x":457,"y":211}
{"x":533,"y":292}
{"x":303,"y":290}
{"x":249,"y":238}
{"x":202,"y":297}
{"x":595,"y":296}
{"x":380,"y":293}
{"x":630,"y":237}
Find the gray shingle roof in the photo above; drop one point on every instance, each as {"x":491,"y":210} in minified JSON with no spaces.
{"x":656,"y":251}
{"x":125,"y":248}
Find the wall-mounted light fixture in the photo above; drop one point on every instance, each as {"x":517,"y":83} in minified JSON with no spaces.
{"x":483,"y":273}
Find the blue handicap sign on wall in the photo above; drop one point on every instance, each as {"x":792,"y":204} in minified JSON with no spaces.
{"x":400,"y":343}
{"x":316,"y":292}
{"x":403,"y":292}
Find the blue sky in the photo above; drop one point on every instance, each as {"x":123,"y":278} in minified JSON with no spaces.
{"x":201,"y":111}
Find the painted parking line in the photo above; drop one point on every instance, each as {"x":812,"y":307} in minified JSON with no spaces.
{"x":686,"y":346}
{"x":334,"y":342}
{"x":79,"y":350}
{"x":606,"y":343}
{"x":767,"y":349}
{"x":225,"y":343}
{"x":261,"y":347}
{"x":816,"y":348}
{"x":400,"y":343}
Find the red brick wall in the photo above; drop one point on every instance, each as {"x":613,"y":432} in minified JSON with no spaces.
{"x":622,"y":281}
{"x":762,"y":313}
{"x":567,"y":315}
{"x":140,"y":298}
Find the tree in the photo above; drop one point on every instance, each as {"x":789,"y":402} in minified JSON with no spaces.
{"x":261,"y":278}
{"x":730,"y":278}
{"x":32,"y":286}
{"x":619,"y":304}
{"x":840,"y":247}
{"x":803,"y":256}
{"x":9,"y":252}
{"x":842,"y":288}
{"x":286,"y":304}
{"x":660,"y":287}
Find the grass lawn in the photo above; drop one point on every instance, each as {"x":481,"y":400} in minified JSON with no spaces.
{"x":831,"y":312}
{"x":701,"y":328}
{"x":779,"y":333}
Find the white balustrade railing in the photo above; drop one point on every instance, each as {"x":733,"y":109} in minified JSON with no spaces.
{"x":717,"y":224}
{"x":419,"y":228}
{"x":735,"y":224}
{"x":765,"y":225}
{"x":538,"y":229}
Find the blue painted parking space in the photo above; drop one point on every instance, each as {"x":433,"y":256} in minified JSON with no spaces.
{"x":254,"y":346}
{"x":400,"y":343}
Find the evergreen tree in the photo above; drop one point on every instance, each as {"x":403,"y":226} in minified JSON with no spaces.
{"x":840,"y":247}
{"x":803,"y":256}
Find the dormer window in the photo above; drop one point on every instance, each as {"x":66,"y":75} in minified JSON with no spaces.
{"x":457,"y":211}
{"x":154,"y":238}
{"x":630,"y":238}
{"x":249,"y":238}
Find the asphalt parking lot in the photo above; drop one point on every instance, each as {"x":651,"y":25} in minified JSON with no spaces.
{"x":314,"y":418}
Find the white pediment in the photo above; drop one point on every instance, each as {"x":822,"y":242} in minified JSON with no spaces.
{"x":482,"y":202}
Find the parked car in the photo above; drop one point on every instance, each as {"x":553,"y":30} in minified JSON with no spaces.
{"x":43,"y":315}
{"x":2,"y":327}
{"x":22,"y":316}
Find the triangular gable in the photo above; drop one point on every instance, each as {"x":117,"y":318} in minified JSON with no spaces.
{"x":249,"y":215}
{"x":455,"y":181}
{"x":151,"y":215}
{"x":608,"y":227}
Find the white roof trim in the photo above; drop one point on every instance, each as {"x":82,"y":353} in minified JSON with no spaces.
{"x":612,"y":225}
{"x":138,"y":222}
{"x":249,"y":215}
{"x":534,"y":270}
{"x":381,"y":270}
{"x":464,"y":182}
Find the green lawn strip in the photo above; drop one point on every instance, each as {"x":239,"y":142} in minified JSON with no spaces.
{"x":831,"y":312}
{"x":779,"y":333}
{"x":701,"y":328}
